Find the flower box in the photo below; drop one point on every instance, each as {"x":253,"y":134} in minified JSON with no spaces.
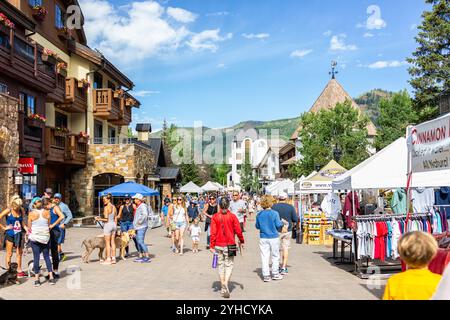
{"x":48,"y":58}
{"x":64,"y":33}
{"x":35,"y":123}
{"x":39,"y":13}
{"x":62,"y":72}
{"x":118,"y":93}
{"x":59,"y":133}
{"x":83,"y":140}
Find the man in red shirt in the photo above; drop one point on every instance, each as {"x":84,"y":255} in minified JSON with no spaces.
{"x":224,"y":228}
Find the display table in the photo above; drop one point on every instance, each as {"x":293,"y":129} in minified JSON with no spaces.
{"x":345,"y":237}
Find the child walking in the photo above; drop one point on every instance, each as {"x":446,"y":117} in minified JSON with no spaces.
{"x":195,"y":234}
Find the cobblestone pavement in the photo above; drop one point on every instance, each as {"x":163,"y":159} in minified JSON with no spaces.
{"x":170,"y":276}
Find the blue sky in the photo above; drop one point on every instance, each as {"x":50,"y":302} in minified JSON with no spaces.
{"x":226,"y":61}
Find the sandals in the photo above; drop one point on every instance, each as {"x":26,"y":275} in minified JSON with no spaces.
{"x":107,"y":262}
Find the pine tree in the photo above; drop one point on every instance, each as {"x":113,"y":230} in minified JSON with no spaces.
{"x":430,"y":70}
{"x":396,"y":114}
{"x":246,"y":175}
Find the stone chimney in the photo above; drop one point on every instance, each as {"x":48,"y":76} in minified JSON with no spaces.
{"x":144,"y":130}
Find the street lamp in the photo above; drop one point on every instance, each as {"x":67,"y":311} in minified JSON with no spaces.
{"x":337,"y":153}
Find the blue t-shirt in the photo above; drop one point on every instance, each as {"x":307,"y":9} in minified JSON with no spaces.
{"x":286,"y":212}
{"x":268,"y":222}
{"x":165,"y":210}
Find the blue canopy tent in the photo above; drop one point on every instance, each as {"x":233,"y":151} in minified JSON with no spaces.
{"x":129,"y":189}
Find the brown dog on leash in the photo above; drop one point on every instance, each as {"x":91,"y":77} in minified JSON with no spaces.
{"x":122,"y":240}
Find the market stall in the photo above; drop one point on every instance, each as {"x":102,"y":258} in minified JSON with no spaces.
{"x":191,"y":187}
{"x":210,"y":187}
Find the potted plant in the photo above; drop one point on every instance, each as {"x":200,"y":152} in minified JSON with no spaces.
{"x":39,"y":13}
{"x":83,"y":84}
{"x":61,"y":132}
{"x":49,"y":56}
{"x":64,"y":33}
{"x":83,"y":137}
{"x":5,"y":22}
{"x":36,"y":120}
{"x":61,"y":68}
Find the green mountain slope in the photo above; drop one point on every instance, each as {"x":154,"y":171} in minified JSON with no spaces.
{"x":370,"y":102}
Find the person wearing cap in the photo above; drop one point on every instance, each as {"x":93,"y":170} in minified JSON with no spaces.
{"x":192,"y":211}
{"x":140,"y":224}
{"x":239,"y":208}
{"x":57,"y":200}
{"x":287,"y":214}
{"x":48,"y":193}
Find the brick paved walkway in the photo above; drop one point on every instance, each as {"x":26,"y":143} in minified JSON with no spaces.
{"x":171,"y":276}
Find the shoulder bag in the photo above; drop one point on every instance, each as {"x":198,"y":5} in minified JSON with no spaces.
{"x":232,"y":249}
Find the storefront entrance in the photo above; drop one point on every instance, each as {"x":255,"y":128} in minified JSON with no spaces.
{"x":102,"y":182}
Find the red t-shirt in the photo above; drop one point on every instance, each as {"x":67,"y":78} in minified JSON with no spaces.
{"x":224,"y":228}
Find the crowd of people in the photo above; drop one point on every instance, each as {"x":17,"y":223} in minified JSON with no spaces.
{"x":41,"y":226}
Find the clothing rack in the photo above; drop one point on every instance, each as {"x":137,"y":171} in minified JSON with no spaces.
{"x":358,"y":263}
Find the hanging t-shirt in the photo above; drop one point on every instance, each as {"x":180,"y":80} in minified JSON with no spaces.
{"x":423,"y":199}
{"x":398,"y":202}
{"x":331,"y":206}
{"x":348,"y":210}
{"x":443,"y":199}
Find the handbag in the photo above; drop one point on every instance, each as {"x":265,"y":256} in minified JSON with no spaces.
{"x":232,"y":248}
{"x":173,"y":225}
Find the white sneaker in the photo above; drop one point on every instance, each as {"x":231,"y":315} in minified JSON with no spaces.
{"x":277,"y":277}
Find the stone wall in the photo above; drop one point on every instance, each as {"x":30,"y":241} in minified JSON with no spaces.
{"x":127,"y":160}
{"x":9,"y":147}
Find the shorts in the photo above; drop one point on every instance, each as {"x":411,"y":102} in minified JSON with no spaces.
{"x":126,"y":226}
{"x":109,"y":228}
{"x":195,"y":239}
{"x":181,"y":225}
{"x":62,"y":236}
{"x":11,"y":239}
{"x":285,"y":240}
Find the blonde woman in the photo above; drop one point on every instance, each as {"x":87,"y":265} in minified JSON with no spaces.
{"x":181,"y":221}
{"x":109,"y":229}
{"x":15,"y":225}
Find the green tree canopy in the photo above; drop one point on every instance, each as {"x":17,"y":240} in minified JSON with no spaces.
{"x":430,"y":70}
{"x":396,"y":114}
{"x":343,"y":126}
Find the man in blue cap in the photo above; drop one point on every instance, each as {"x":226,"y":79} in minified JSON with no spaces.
{"x":57,"y":200}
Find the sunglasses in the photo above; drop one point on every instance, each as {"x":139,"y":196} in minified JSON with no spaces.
{"x":180,"y":199}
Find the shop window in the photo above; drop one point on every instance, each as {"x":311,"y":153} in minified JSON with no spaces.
{"x":27,"y":103}
{"x":98,"y":133}
{"x":59,"y":17}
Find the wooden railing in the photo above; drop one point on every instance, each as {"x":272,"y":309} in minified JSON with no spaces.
{"x":64,"y":147}
{"x":76,"y":97}
{"x":106,"y":106}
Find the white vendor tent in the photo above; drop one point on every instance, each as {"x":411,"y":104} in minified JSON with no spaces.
{"x":191,"y":187}
{"x":210,"y":187}
{"x":320,"y":183}
{"x":275,"y":188}
{"x":218,"y":185}
{"x":388,"y":170}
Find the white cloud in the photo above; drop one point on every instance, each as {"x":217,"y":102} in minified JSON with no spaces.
{"x":221,"y":66}
{"x":207,"y":40}
{"x":141,"y":30}
{"x":144,"y":93}
{"x":300,"y":53}
{"x":337,"y":43}
{"x":181,"y":15}
{"x":368,"y":35}
{"x":375,"y":21}
{"x":256,"y":36}
{"x":218,"y":14}
{"x":327,"y":33}
{"x":387,"y":64}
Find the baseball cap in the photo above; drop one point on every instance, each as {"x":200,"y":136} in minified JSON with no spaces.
{"x":282,"y":196}
{"x":48,"y":190}
{"x":35,"y":199}
{"x":138,"y":196}
{"x":58,"y":196}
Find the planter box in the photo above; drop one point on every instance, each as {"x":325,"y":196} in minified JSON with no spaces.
{"x":4,"y":29}
{"x":35,"y":123}
{"x":60,"y":133}
{"x":49,"y":59}
{"x":82,"y":140}
{"x":62,"y":72}
{"x":118,"y":94}
{"x":38,"y":16}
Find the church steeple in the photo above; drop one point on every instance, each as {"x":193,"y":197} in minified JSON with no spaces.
{"x":333,"y":72}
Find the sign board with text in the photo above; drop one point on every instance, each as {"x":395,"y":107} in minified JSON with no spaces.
{"x":26,"y":165}
{"x":429,"y":144}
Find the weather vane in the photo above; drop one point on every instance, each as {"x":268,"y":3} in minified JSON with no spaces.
{"x":333,"y":70}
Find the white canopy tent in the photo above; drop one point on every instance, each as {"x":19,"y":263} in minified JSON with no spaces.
{"x":210,"y":187}
{"x":221,"y":188}
{"x":321,"y":182}
{"x":191,"y":187}
{"x":388,"y":170}
{"x":277,"y":187}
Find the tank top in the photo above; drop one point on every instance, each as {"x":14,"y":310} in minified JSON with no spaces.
{"x":212,"y":210}
{"x":53,"y":218}
{"x":111,"y":216}
{"x":179,"y":215}
{"x":127,"y":213}
{"x":15,"y":222}
{"x":39,"y":229}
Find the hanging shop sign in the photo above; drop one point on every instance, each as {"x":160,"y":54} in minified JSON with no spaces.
{"x":429,"y":145}
{"x":26,"y":165}
{"x":18,"y":179}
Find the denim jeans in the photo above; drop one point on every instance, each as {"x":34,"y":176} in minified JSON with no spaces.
{"x":39,"y":248}
{"x":270,"y":250}
{"x":140,"y":239}
{"x":126,"y":226}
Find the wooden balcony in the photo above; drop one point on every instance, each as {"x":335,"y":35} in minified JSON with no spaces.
{"x":64,"y":148}
{"x":127,"y":102}
{"x":106,"y":106}
{"x":75,"y":100}
{"x":58,"y":95}
{"x":21,"y":60}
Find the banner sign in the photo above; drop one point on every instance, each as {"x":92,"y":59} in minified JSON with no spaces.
{"x":26,"y":165}
{"x":429,"y":144}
